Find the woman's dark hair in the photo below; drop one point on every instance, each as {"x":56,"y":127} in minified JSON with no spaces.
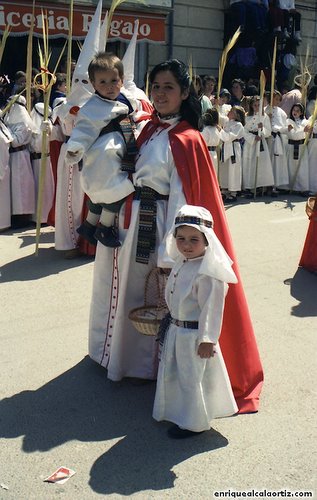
{"x":60,"y":79}
{"x":301,"y":107}
{"x":211,"y":117}
{"x":190,"y":109}
{"x":251,"y":104}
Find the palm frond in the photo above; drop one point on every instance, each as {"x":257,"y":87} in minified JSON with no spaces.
{"x":224,"y":58}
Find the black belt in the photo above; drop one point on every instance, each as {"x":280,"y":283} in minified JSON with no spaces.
{"x":185,"y":324}
{"x":147,"y":222}
{"x":274,"y":134}
{"x":18,"y":148}
{"x":67,"y":137}
{"x":38,"y":156}
{"x":314,"y":136}
{"x":211,"y":148}
{"x":296,"y":145}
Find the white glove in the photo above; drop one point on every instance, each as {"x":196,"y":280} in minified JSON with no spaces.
{"x":46,"y":126}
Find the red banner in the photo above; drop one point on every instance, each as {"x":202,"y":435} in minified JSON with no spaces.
{"x":18,"y":16}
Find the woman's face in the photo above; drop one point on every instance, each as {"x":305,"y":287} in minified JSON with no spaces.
{"x":166,"y":93}
{"x":236,"y":90}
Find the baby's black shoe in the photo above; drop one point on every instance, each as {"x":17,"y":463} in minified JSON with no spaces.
{"x":107,"y":236}
{"x":87,"y":231}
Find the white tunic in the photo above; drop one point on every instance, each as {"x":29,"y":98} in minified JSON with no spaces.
{"x":191,"y":391}
{"x":69,"y":193}
{"x":101,"y":177}
{"x":48,"y":184}
{"x":5,"y":192}
{"x":256,"y":164}
{"x":278,"y":146}
{"x":298,"y":169}
{"x":312,"y":159}
{"x":119,"y":280}
{"x":230,"y":169}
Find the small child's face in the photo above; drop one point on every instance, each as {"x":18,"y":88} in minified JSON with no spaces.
{"x":190,"y":242}
{"x":232,"y":114}
{"x":296,"y":113}
{"x":107,"y":83}
{"x":277,"y":100}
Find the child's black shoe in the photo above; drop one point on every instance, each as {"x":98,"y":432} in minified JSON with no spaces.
{"x":87,"y":231}
{"x":107,"y":236}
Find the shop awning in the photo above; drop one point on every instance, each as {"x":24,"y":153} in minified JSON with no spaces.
{"x":18,"y":16}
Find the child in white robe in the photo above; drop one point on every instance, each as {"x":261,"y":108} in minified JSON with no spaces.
{"x":100,"y":141}
{"x":193,"y":386}
{"x":257,"y":167}
{"x":230,"y":167}
{"x":40,"y":126}
{"x":297,"y":154}
{"x":213,"y":134}
{"x":277,"y":142}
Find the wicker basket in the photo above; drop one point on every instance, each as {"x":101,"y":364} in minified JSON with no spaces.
{"x":147,"y":318}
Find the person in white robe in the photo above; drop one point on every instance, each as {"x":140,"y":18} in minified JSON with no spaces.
{"x":230,"y":167}
{"x":35,"y":146}
{"x":297,"y":154}
{"x":5,"y":191}
{"x":256,"y":162}
{"x":213,"y":134}
{"x":193,"y":385}
{"x":22,"y":179}
{"x":277,"y":142}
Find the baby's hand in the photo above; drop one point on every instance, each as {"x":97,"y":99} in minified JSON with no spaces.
{"x":206,"y":350}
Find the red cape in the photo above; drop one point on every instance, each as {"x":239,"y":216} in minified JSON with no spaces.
{"x":308,"y":258}
{"x":237,"y":340}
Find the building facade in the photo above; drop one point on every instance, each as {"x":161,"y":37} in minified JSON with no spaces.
{"x":191,"y":31}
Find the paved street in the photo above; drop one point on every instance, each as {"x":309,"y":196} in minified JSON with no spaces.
{"x":58,"y":409}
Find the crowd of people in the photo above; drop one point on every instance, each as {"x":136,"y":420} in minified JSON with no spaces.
{"x":139,"y":182}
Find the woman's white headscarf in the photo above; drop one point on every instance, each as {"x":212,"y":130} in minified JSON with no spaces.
{"x":216,"y":262}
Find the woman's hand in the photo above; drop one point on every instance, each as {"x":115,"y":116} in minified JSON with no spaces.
{"x":290,"y":127}
{"x":206,"y":350}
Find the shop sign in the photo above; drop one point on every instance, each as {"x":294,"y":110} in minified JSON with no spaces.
{"x":18,"y":16}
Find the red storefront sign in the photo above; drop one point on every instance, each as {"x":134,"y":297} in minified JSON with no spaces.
{"x":18,"y":16}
